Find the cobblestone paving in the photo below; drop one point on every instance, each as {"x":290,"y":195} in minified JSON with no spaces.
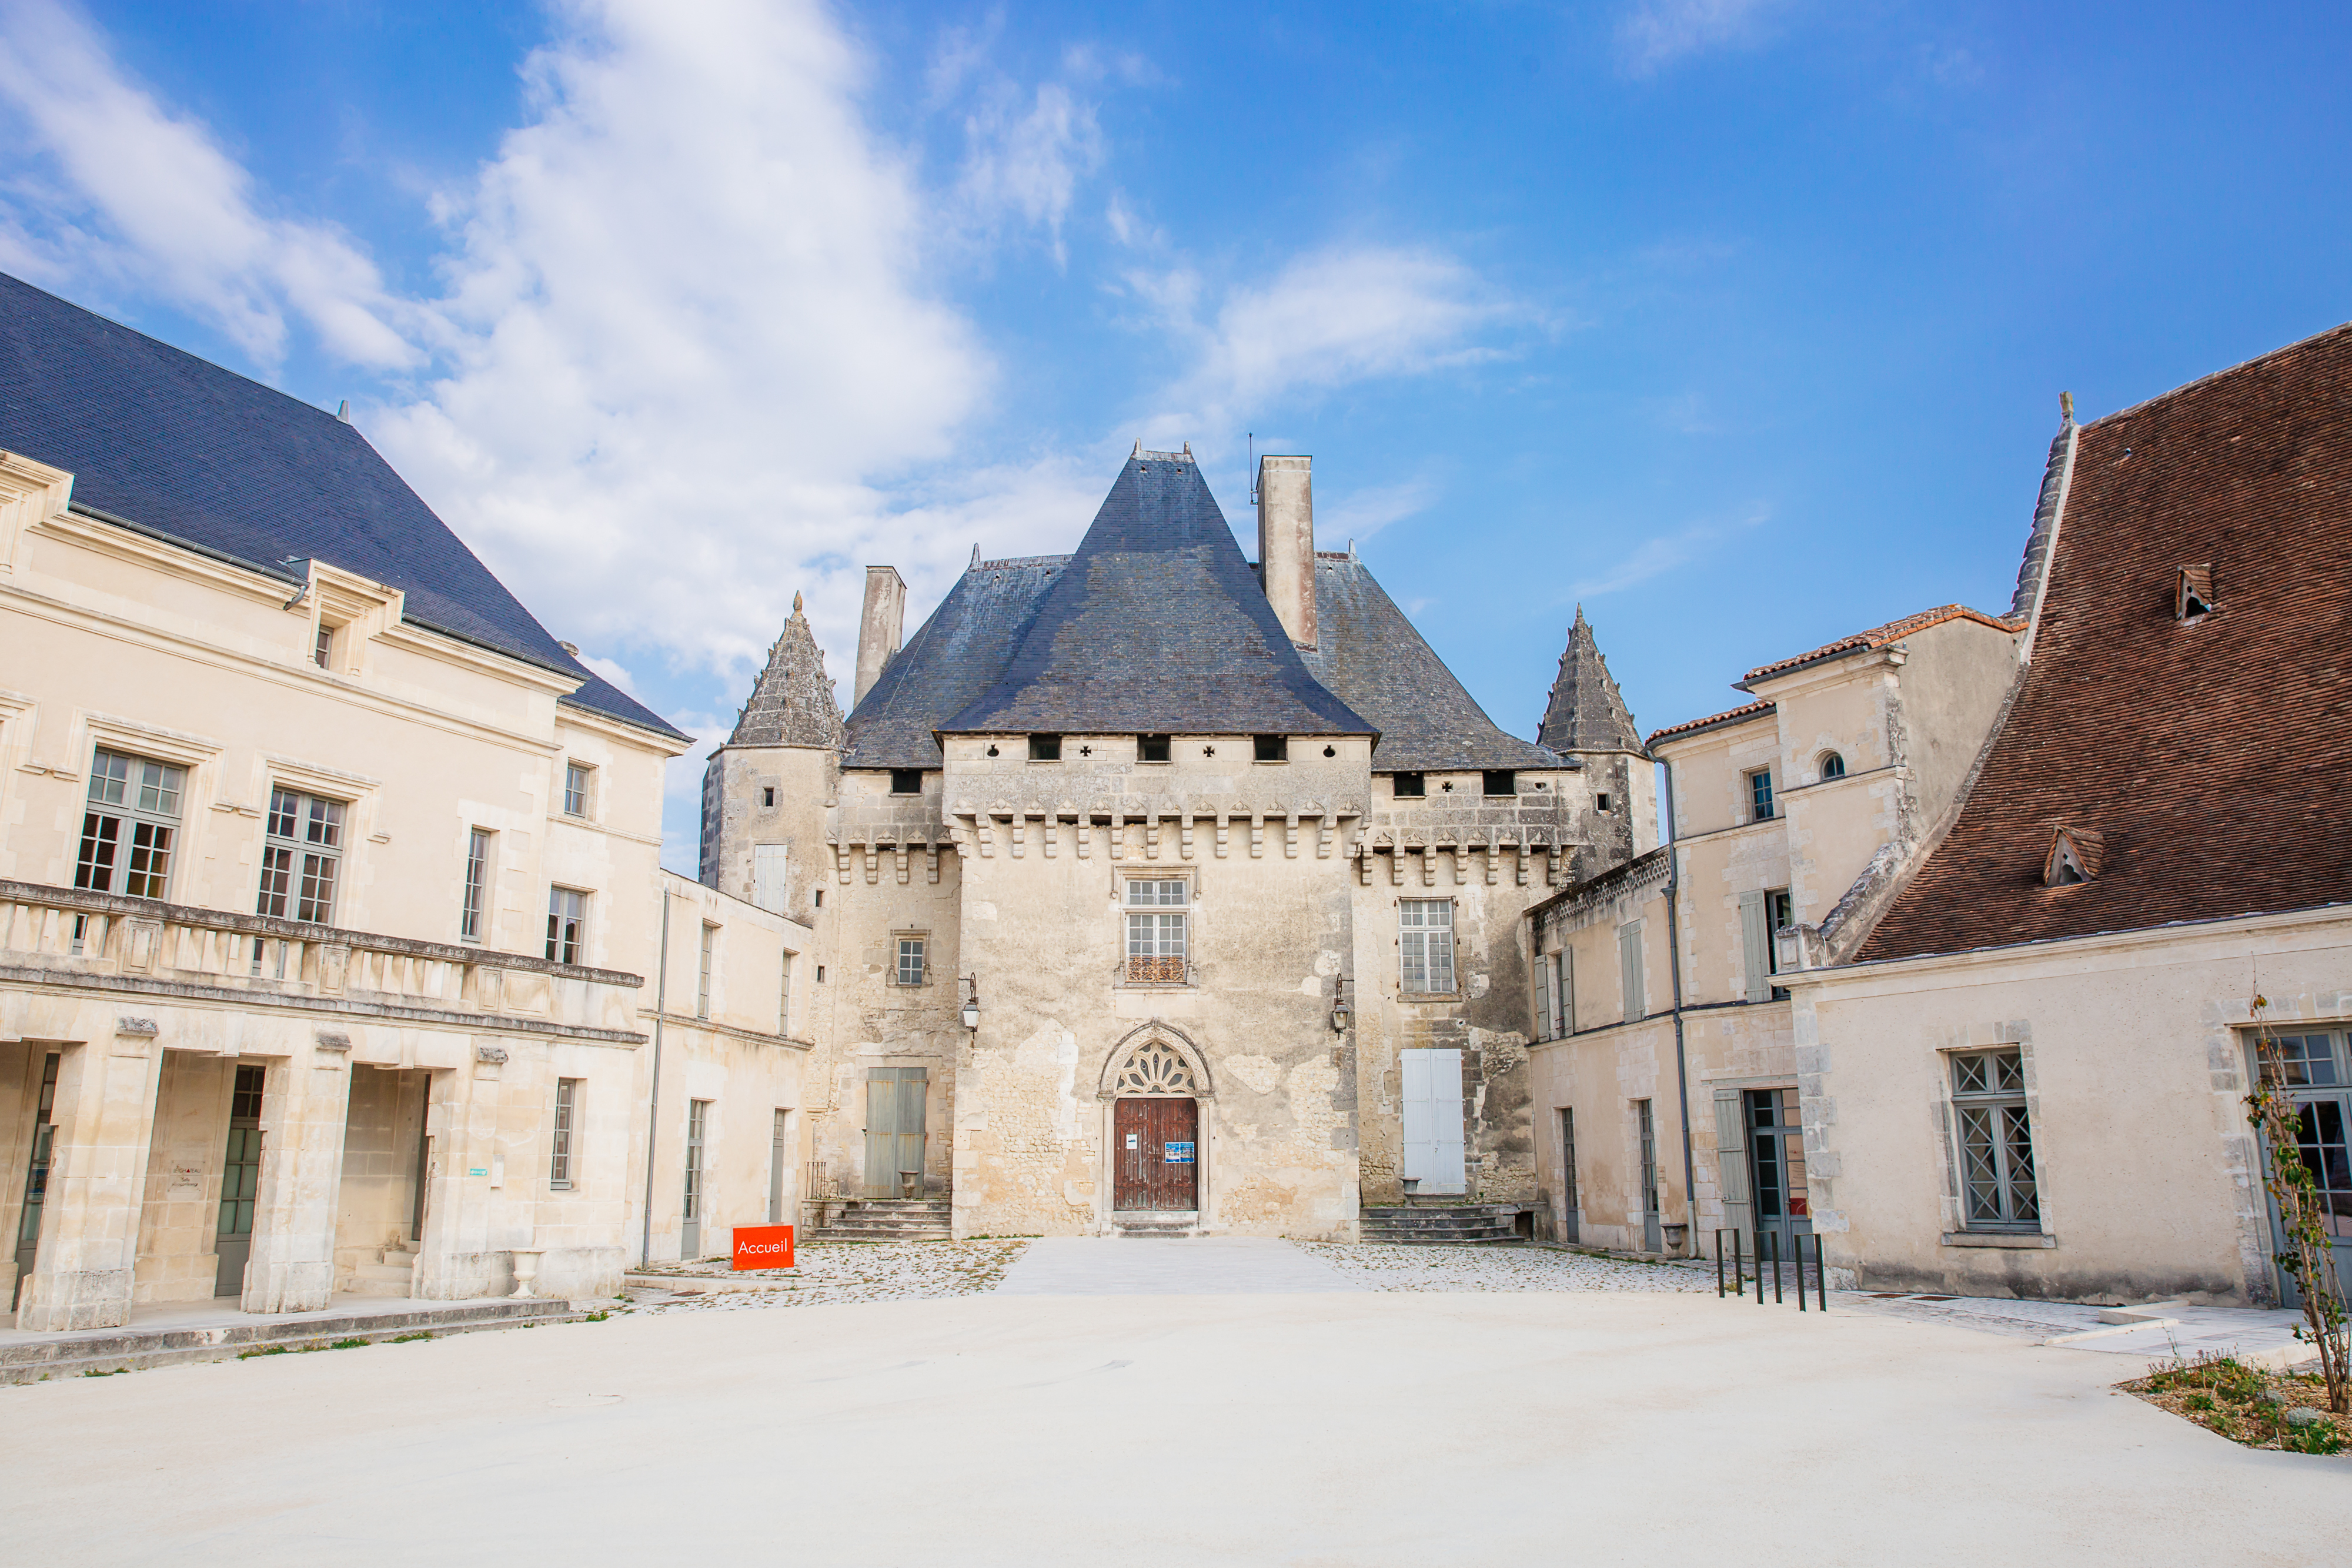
{"x":2015,"y":1318}
{"x":1374,"y":1266}
{"x":831,"y":1272}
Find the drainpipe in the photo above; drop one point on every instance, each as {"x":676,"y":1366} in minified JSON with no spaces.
{"x":1675,"y":968}
{"x":653,"y":1099}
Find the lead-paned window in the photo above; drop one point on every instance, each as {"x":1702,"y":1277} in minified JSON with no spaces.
{"x":1996,"y":1137}
{"x":1157,"y":944}
{"x":1425,"y":944}
{"x":478,"y":882}
{"x":131,"y":825}
{"x":567,"y":925}
{"x":910,"y":970}
{"x":301,"y":857}
{"x":567,"y":1108}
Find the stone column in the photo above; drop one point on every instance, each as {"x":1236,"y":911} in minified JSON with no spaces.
{"x":105,"y":1118}
{"x":306,"y":1107}
{"x":455,"y":1261}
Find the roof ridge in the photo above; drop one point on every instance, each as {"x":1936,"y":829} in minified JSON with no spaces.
{"x":2225,"y":371}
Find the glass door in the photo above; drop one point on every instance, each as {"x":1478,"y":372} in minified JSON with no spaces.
{"x":240,"y":1182}
{"x":1776,"y":1163}
{"x":37,"y":1177}
{"x":2315,"y":1069}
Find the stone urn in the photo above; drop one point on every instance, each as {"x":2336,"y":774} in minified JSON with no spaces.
{"x":526,"y":1269}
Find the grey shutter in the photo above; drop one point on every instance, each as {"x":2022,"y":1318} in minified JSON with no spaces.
{"x":1629,"y":970}
{"x":1731,"y":1167}
{"x":1567,"y":992}
{"x":1754,"y":950}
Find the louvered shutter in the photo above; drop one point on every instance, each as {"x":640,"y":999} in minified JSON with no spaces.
{"x":1755,"y":932}
{"x":1629,"y":970}
{"x":1731,"y":1167}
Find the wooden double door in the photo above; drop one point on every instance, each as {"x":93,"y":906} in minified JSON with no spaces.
{"x":1156,"y":1155}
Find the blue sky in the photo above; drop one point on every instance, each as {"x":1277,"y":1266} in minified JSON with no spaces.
{"x":1741,"y":321}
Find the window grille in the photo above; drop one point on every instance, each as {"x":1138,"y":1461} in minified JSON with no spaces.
{"x":910,"y":960}
{"x":1156,"y":933}
{"x":301,"y":853}
{"x":576,"y":788}
{"x":477,"y":881}
{"x":1425,"y":944}
{"x":1155,"y":1069}
{"x":1760,"y":795}
{"x":567,"y":925}
{"x":1996,"y":1138}
{"x":702,"y":975}
{"x":567,"y":1105}
{"x":131,"y":825}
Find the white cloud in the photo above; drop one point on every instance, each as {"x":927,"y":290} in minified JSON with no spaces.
{"x":1656,"y":33}
{"x":1357,"y":513}
{"x":147,"y":199}
{"x":1024,"y":156}
{"x":1654,"y":558}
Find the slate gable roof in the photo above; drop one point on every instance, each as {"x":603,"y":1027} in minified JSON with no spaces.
{"x":2208,"y":755}
{"x":1586,"y":712}
{"x":1157,"y":624}
{"x":173,"y":446}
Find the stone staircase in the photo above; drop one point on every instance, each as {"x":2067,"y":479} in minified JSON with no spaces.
{"x":39,"y":1359}
{"x":1445,"y":1224}
{"x":395,"y":1276}
{"x":1149,"y":1222}
{"x":888,"y":1219}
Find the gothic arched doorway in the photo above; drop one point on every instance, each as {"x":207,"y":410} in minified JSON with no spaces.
{"x":1155,"y":1133}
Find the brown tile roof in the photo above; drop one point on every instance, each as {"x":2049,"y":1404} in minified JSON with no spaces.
{"x":1877,"y":637}
{"x":2210,"y":756}
{"x":1692,"y":726}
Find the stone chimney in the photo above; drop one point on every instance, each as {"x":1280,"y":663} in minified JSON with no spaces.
{"x":1286,"y":543}
{"x":879,"y":627}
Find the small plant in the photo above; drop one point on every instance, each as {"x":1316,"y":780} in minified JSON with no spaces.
{"x":249,"y":1355}
{"x":2309,"y":1255}
{"x":93,"y":1372}
{"x":596,"y":1317}
{"x":348,"y":1344}
{"x":409,"y":1338}
{"x":2199,"y":1402}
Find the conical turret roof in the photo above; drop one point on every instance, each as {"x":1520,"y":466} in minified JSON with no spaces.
{"x":1586,"y":712}
{"x":793,"y":701}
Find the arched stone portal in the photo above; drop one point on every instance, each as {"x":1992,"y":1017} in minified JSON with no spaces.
{"x":1155,"y":1154}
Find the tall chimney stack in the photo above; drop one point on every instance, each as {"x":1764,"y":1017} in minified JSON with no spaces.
{"x":1286,"y":543}
{"x":880,"y":626}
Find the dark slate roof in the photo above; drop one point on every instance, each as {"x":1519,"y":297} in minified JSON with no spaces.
{"x":958,"y":653}
{"x":793,"y":701}
{"x":2208,"y":755}
{"x":175,"y":447}
{"x":1586,"y":712}
{"x":1373,"y":659}
{"x":1157,"y":624}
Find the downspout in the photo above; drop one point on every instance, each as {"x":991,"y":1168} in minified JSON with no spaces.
{"x":653,"y":1099}
{"x":1675,"y":969}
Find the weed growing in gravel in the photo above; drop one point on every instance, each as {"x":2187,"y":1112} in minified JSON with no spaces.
{"x":2247,"y":1405}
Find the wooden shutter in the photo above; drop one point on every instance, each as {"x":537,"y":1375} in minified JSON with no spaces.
{"x":1629,"y":970}
{"x":1755,"y":932}
{"x":770,"y":864}
{"x":1731,"y":1167}
{"x":1434,"y":1151}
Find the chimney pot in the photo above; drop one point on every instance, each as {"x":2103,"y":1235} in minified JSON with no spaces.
{"x":878,"y":626}
{"x":1286,"y":542}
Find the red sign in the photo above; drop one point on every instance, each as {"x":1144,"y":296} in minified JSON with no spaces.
{"x":763,"y":1247}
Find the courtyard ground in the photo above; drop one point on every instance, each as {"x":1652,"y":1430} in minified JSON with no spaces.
{"x":1149,"y":1402}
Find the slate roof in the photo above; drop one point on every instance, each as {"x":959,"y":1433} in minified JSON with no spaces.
{"x":2209,"y":755}
{"x":173,"y":446}
{"x":957,"y":654}
{"x":1586,"y":712}
{"x":1373,"y":659}
{"x":793,"y":701}
{"x":1878,"y":637}
{"x":1157,"y":624}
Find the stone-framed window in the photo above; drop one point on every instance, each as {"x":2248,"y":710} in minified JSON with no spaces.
{"x":561,"y":1149}
{"x":910,"y":958}
{"x":1999,"y":1186}
{"x":1760,"y":795}
{"x":1426,"y":946}
{"x":567,"y":925}
{"x":1158,"y":930}
{"x":579,"y":789}
{"x":129,"y":825}
{"x":301,"y":857}
{"x":477,"y":882}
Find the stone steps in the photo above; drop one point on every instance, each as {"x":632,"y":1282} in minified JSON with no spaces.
{"x":123,"y":1350}
{"x":1154,"y":1222}
{"x":890,"y":1220}
{"x":394,"y":1278}
{"x":1452,"y":1224}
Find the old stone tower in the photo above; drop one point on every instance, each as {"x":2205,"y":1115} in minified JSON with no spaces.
{"x":1154,"y":890}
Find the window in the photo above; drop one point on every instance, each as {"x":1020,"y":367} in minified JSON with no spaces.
{"x":698,"y":1122}
{"x":567,"y":925}
{"x":702,"y":974}
{"x":1780,"y":911}
{"x":1151,"y":748}
{"x":323,"y":651}
{"x":1996,"y":1141}
{"x":1631,"y":978}
{"x":770,"y":866}
{"x":910,"y":961}
{"x":1600,"y":802}
{"x":1156,"y":930}
{"x":767,"y":794}
{"x":1270,"y":748}
{"x":301,"y":852}
{"x":1833,"y":766}
{"x":1045,"y":748}
{"x":1425,"y":944}
{"x":2303,"y":1061}
{"x":1502,"y":781}
{"x":478,"y":880}
{"x":1410,"y":786}
{"x":1760,"y":795}
{"x":780,"y":1148}
{"x":1567,"y":1195}
{"x":784,"y":999}
{"x":1551,"y":994}
{"x":576,"y":780}
{"x":2075,"y":856}
{"x":2196,"y":593}
{"x":567,"y":1106}
{"x":906,"y":780}
{"x":131,"y":824}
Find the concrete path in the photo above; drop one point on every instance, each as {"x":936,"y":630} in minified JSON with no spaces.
{"x":1166,"y":1266}
{"x":1335,"y":1428}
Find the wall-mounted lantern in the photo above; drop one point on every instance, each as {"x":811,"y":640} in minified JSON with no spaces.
{"x":1339,"y":1012}
{"x":971,"y":1001}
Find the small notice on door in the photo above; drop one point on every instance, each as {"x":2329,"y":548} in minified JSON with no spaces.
{"x":1131,"y":1140}
{"x":1176,"y":1154}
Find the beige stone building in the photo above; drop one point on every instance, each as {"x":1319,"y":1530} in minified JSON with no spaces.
{"x":329,"y":883}
{"x":1155,"y":891}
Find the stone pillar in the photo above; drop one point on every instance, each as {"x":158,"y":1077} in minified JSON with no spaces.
{"x":84,"y":1272}
{"x":306,"y":1107}
{"x":454,"y":1261}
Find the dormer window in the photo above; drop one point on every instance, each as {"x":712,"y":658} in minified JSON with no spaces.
{"x":2195,"y":596}
{"x":1270,"y":748}
{"x":322,"y":647}
{"x":1151,"y":748}
{"x":2073,"y":857}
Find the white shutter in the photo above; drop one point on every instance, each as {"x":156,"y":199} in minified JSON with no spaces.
{"x":1755,"y":953}
{"x":770,"y":889}
{"x":1432,"y":1120}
